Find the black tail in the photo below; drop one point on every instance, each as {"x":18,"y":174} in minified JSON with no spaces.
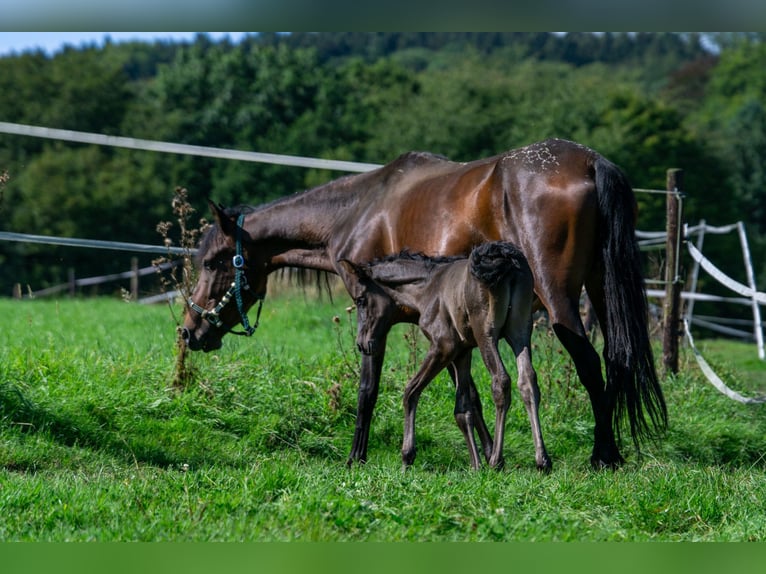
{"x":630,"y":372}
{"x":490,"y":263}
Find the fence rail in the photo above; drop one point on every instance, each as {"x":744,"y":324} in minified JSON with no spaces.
{"x":92,"y":243}
{"x":182,"y":149}
{"x":672,"y":237}
{"x":73,"y":283}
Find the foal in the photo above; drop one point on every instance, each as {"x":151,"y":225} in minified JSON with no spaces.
{"x":462,"y":303}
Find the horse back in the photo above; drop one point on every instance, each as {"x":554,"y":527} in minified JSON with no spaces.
{"x":428,"y":204}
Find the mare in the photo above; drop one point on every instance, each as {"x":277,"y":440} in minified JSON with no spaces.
{"x":462,"y":303}
{"x":570,"y":210}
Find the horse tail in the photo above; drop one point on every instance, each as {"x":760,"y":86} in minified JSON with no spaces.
{"x":492,"y":262}
{"x":630,"y":372}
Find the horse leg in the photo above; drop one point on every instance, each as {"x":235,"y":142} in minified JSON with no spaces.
{"x":468,"y":404}
{"x":570,"y":331}
{"x":605,"y":449}
{"x":372,"y":366}
{"x":432,"y":364}
{"x":501,"y":395}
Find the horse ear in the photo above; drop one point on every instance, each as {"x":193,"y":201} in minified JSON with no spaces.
{"x":225,"y":223}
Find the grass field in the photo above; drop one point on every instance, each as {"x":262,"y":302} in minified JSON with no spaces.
{"x":96,"y":444}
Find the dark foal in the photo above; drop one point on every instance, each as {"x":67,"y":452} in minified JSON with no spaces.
{"x":462,"y":303}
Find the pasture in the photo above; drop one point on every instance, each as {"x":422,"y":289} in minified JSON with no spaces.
{"x":96,"y":444}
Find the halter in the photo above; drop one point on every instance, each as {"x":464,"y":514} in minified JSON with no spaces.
{"x":235,"y":290}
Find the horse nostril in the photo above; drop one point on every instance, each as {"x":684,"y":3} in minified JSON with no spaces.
{"x":185,"y":334}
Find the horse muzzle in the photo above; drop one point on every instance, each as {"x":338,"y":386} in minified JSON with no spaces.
{"x":204,"y":342}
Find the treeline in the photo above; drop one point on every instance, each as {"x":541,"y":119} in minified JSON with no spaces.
{"x":577,"y":48}
{"x":649,"y":102}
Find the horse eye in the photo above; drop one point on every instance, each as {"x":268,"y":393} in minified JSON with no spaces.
{"x":361,"y":302}
{"x":215,"y":265}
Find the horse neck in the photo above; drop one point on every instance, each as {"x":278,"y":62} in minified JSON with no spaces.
{"x":295,"y":231}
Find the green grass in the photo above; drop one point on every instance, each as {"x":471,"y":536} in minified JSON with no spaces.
{"x":95,"y":444}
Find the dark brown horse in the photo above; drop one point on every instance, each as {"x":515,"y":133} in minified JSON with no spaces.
{"x":462,"y":303}
{"x":570,"y":211}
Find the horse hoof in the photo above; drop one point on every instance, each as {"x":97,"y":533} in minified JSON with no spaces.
{"x":352,"y":458}
{"x":599,"y":464}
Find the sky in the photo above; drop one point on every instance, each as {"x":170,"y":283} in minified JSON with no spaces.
{"x":52,"y":42}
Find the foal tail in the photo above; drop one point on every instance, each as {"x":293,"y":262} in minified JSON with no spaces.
{"x":492,"y":262}
{"x":630,"y":373}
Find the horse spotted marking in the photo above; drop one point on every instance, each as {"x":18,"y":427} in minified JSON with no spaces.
{"x":536,"y":157}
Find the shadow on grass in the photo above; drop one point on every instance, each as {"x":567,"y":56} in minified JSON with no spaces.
{"x":172,"y":441}
{"x":729,"y":448}
{"x":80,"y":430}
{"x":166,"y":439}
{"x":98,"y":429}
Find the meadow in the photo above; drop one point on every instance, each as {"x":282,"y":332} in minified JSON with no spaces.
{"x":97,"y":444}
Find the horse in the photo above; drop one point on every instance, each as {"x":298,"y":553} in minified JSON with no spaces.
{"x":462,"y":303}
{"x":571,"y":211}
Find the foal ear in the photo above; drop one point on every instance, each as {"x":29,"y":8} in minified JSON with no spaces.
{"x":227,"y":224}
{"x":352,"y":268}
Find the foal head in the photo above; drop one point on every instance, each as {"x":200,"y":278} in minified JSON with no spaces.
{"x":378,"y":298}
{"x":376,"y":311}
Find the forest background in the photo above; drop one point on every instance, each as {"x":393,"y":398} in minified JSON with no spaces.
{"x":647,"y":101}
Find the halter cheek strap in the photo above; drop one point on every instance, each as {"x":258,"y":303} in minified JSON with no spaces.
{"x":235,"y":290}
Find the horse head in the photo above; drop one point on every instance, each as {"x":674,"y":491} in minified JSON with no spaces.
{"x":231,"y":280}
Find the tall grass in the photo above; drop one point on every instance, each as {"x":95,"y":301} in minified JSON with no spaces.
{"x":97,"y":444}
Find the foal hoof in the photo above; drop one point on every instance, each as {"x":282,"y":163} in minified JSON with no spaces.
{"x":497,"y":464}
{"x":545,"y":467}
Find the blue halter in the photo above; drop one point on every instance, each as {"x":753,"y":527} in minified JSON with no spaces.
{"x":235,"y":290}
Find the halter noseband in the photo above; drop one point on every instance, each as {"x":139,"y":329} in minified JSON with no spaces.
{"x":235,"y":290}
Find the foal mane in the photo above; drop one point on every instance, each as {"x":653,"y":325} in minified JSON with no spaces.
{"x":430,"y":261}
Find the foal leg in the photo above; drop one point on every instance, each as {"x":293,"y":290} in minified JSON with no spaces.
{"x":501,"y":395}
{"x":468,"y":407}
{"x":432,"y":364}
{"x":468,"y":412}
{"x":518,"y":333}
{"x":530,"y":395}
{"x":369,"y":385}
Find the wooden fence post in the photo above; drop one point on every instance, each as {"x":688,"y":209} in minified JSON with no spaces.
{"x":134,"y":279}
{"x":671,"y":307}
{"x":72,"y":282}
